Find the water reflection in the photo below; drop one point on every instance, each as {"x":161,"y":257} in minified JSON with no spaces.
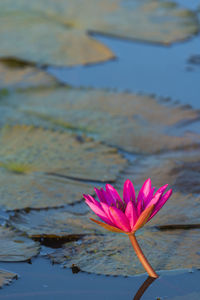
{"x":143,"y":288}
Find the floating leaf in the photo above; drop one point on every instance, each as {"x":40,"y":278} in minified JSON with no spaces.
{"x":57,"y":34}
{"x":16,"y":75}
{"x":54,"y":223}
{"x":113,"y":254}
{"x":20,"y":191}
{"x":41,"y":168}
{"x":6,"y":277}
{"x":47,"y":41}
{"x":179,"y":169}
{"x":15,"y":246}
{"x":27,"y":149}
{"x":180,"y":209}
{"x":131,"y":122}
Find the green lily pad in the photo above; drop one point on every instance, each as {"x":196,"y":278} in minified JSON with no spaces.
{"x":41,"y":168}
{"x":49,"y":33}
{"x":55,"y":223}
{"x":15,"y":246}
{"x":6,"y":277}
{"x":113,"y":254}
{"x":131,"y":122}
{"x":26,"y":149}
{"x":16,"y":75}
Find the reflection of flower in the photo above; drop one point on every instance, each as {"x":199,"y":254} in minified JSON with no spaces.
{"x":129,"y":214}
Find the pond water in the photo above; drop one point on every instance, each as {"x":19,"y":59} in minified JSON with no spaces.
{"x":147,"y":68}
{"x":43,"y":281}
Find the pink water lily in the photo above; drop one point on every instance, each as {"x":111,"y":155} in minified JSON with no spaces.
{"x":128,"y":214}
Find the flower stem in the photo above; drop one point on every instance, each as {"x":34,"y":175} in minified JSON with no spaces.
{"x":141,"y":256}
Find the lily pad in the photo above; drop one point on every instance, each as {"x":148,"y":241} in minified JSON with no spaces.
{"x":41,"y":168}
{"x":26,"y":149}
{"x":55,"y":223}
{"x":15,"y":246}
{"x":46,"y":41}
{"x":61,"y":29}
{"x":131,"y":122}
{"x":113,"y":254}
{"x":16,"y":75}
{"x":6,"y":277}
{"x":19,"y":191}
{"x":179,"y":169}
{"x":179,"y":210}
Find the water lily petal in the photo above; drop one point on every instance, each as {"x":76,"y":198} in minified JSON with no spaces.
{"x":131,"y":214}
{"x":143,"y":195}
{"x":108,"y":198}
{"x":159,"y":192}
{"x":140,"y":207}
{"x":119,"y":219}
{"x":105,"y":207}
{"x":100,"y":195}
{"x":89,"y":198}
{"x":161,"y":202}
{"x":113,"y":193}
{"x":145,"y":189}
{"x":96,"y":208}
{"x":129,"y":192}
{"x":154,"y":200}
{"x":143,"y":218}
{"x":162,"y":188}
{"x":148,"y":199}
{"x":106,"y":226}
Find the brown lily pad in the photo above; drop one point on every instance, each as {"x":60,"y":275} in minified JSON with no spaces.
{"x":55,"y":223}
{"x":61,"y":30}
{"x":131,"y":122}
{"x":6,"y":277}
{"x":113,"y":254}
{"x":14,"y":74}
{"x":15,"y":246}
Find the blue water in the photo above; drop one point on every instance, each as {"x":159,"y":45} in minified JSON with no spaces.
{"x":42,"y":281}
{"x":142,"y":67}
